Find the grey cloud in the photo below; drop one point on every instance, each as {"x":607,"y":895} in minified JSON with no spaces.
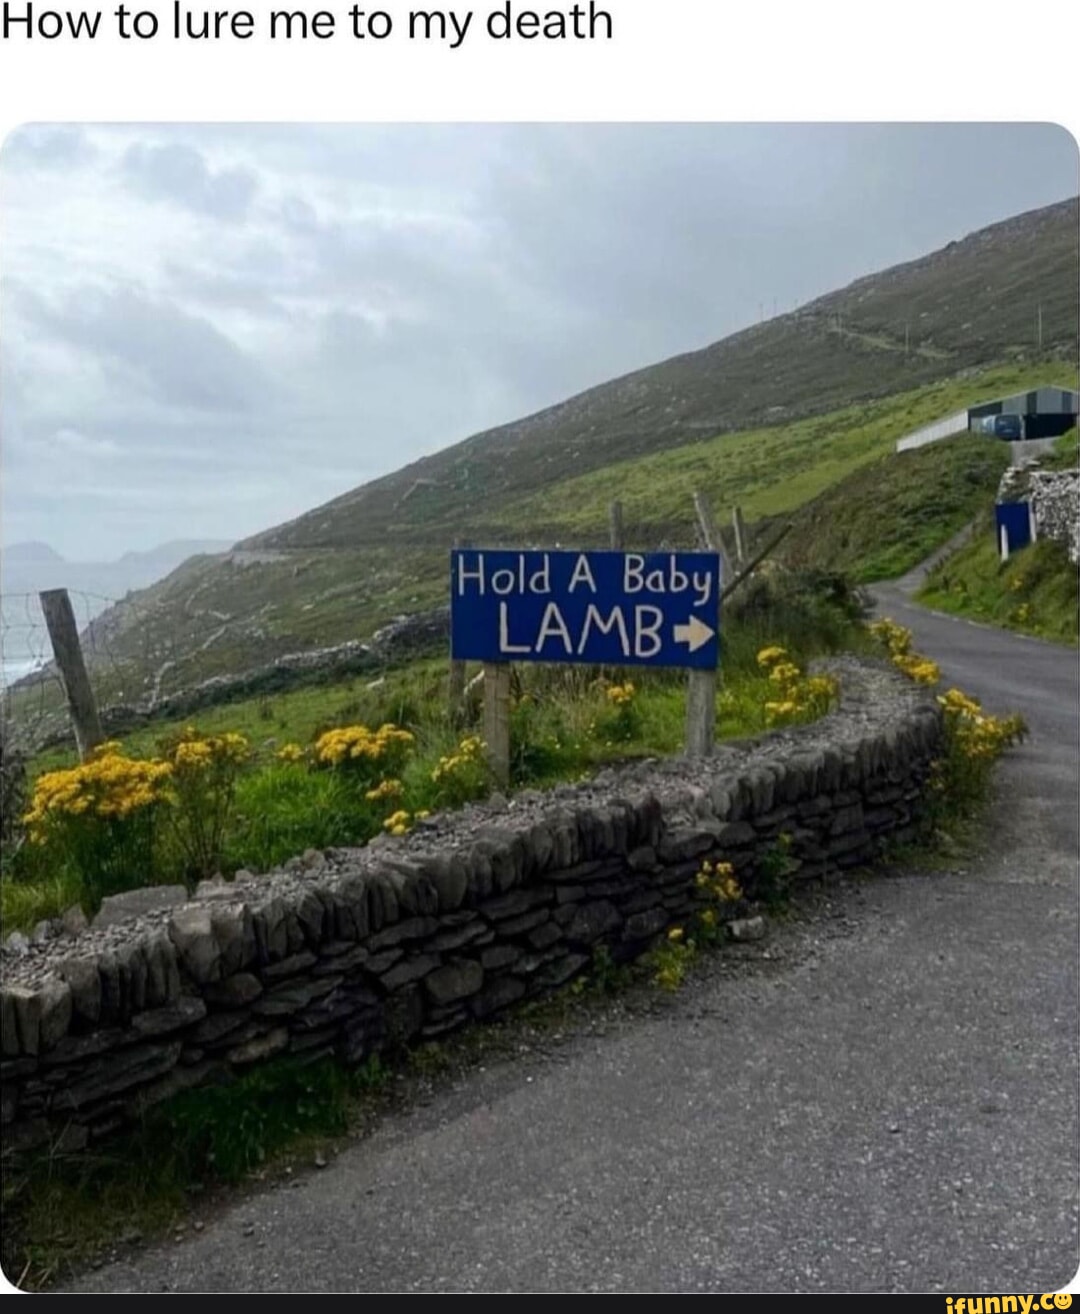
{"x":356,"y":295}
{"x":179,"y":174}
{"x":45,"y":147}
{"x":220,"y":287}
{"x":153,"y":347}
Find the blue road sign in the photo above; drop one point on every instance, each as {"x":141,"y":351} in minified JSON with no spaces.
{"x":615,"y":608}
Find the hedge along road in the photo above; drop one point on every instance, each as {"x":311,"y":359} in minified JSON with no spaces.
{"x":887,"y":1103}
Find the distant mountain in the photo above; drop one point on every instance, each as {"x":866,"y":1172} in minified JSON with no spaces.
{"x":28,"y":568}
{"x":30,"y":554}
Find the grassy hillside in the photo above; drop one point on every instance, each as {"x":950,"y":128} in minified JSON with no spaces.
{"x":1034,"y":592}
{"x":894,"y":511}
{"x":767,"y":471}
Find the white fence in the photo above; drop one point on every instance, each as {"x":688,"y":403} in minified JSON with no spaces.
{"x":933,"y":433}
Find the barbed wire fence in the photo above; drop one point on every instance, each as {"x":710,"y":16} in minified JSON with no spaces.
{"x":128,"y":650}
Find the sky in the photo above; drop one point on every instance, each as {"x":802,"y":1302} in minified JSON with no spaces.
{"x":208,"y":329}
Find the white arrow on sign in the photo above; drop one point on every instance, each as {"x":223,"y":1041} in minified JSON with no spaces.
{"x":696,"y":633}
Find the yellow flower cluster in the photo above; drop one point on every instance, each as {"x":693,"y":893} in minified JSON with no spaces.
{"x":469,"y":753}
{"x":621,"y":694}
{"x":718,"y":881}
{"x":784,"y":673}
{"x":107,"y":785}
{"x":918,"y":668}
{"x":353,"y":743}
{"x":896,"y":640}
{"x":194,"y":752}
{"x":290,"y":753}
{"x":389,"y":788}
{"x":981,"y":738}
{"x":798,"y":695}
{"x":398,"y":823}
{"x":671,"y":958}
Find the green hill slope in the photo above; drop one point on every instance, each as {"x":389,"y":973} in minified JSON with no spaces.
{"x":970,"y":304}
{"x":858,"y":507}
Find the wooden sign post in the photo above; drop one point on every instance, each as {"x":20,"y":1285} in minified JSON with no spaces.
{"x":701,"y":684}
{"x":497,"y":719}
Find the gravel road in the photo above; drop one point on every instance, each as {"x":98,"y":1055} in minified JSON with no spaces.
{"x":886,"y":1102}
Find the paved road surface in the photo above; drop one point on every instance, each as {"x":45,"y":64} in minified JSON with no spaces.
{"x":889,"y":1103}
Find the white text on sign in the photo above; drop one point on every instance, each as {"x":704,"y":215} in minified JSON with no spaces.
{"x":665,"y":581}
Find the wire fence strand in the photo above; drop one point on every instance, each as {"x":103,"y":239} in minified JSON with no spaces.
{"x":129,"y":648}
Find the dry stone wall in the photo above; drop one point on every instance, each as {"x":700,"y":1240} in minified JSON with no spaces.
{"x":1054,"y":496}
{"x":403,"y":640}
{"x":1055,"y":501}
{"x":348,"y":951}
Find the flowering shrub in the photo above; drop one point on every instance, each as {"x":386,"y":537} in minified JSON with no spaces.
{"x":716,"y":882}
{"x":290,"y":753}
{"x":622,"y":721}
{"x":398,"y":823}
{"x":896,"y":640}
{"x":768,"y":657}
{"x":622,"y":695}
{"x":974,"y":741}
{"x":385,"y":789}
{"x":101,"y":817}
{"x":203,"y":774}
{"x":671,"y":958}
{"x":363,"y":752}
{"x":799,"y":697}
{"x":463,"y":774}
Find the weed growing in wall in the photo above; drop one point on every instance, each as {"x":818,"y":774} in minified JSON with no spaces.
{"x":670,"y":959}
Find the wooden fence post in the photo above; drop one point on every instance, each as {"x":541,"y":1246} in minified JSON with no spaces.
{"x":64,"y":635}
{"x":748,"y":570}
{"x":701,"y":685}
{"x":455,"y":694}
{"x":497,"y":720}
{"x":740,"y":534}
{"x":709,"y":534}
